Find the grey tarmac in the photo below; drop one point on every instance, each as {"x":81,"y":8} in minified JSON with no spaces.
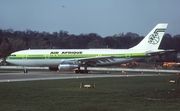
{"x":15,"y":76}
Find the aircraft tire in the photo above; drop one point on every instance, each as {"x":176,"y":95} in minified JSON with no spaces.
{"x":82,"y":71}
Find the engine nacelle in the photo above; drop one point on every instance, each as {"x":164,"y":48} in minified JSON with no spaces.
{"x":66,"y":66}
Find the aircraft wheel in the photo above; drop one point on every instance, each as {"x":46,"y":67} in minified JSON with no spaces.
{"x":25,"y":70}
{"x":77,"y":71}
{"x":82,"y":71}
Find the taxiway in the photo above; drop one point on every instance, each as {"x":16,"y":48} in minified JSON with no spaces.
{"x":10,"y":76}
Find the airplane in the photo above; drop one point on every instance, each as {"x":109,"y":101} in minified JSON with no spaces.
{"x":73,"y":59}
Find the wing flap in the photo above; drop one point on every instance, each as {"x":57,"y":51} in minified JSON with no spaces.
{"x":97,"y":59}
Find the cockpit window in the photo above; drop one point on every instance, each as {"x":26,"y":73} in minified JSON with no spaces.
{"x":13,"y":55}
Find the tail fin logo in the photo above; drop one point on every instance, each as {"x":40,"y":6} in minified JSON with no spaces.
{"x":154,"y":38}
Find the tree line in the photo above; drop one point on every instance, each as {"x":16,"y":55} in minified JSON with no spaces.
{"x":11,"y":41}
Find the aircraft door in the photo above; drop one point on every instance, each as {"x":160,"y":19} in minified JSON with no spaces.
{"x":128,"y":55}
{"x":47,"y":56}
{"x":24,"y":56}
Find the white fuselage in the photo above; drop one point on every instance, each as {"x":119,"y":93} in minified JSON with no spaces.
{"x":53,"y":57}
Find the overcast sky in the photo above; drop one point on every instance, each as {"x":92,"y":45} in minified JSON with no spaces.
{"x":104,"y":17}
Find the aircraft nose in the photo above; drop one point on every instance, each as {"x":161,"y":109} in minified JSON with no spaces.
{"x":7,"y":59}
{"x":1,"y":60}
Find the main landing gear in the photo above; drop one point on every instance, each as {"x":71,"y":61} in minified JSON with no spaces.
{"x":82,"y":71}
{"x":85,"y":71}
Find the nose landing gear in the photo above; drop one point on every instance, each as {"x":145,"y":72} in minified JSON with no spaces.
{"x":25,"y":69}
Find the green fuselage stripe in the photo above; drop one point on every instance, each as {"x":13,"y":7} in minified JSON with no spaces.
{"x":72,"y":56}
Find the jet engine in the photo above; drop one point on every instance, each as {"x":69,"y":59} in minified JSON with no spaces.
{"x":65,"y":66}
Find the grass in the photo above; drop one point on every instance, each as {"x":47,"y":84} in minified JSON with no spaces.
{"x":110,"y":94}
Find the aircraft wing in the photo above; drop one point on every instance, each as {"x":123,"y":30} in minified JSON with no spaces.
{"x":98,"y":59}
